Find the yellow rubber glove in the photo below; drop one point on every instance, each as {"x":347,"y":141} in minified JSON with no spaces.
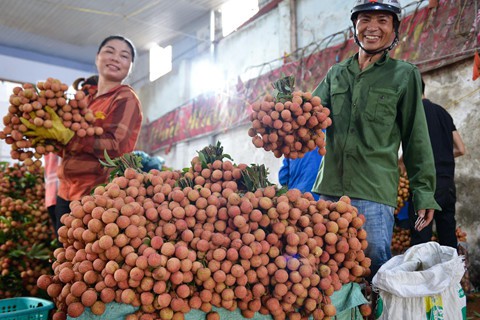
{"x":57,"y":132}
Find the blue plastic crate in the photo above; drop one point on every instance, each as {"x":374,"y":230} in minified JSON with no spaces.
{"x":25,"y":308}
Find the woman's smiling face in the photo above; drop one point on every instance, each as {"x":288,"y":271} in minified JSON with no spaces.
{"x":114,"y":60}
{"x":375,"y":29}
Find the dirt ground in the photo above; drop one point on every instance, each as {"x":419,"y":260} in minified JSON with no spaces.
{"x":473,"y":306}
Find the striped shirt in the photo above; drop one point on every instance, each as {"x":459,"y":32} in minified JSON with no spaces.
{"x":80,"y":171}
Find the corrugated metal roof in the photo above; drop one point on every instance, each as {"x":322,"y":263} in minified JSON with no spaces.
{"x":72,"y":29}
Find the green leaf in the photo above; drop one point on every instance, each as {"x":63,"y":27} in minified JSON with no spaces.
{"x":255,"y":177}
{"x":120,"y":164}
{"x":212,"y":153}
{"x":203,"y":159}
{"x":282,"y":190}
{"x":38,"y":251}
{"x":107,"y":157}
{"x":284,"y":88}
{"x":16,"y":253}
{"x":185,"y":182}
{"x":104,"y":163}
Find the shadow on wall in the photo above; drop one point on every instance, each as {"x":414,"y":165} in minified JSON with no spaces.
{"x":467,"y":177}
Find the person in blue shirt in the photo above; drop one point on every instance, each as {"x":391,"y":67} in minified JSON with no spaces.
{"x":301,"y":173}
{"x":149,"y":162}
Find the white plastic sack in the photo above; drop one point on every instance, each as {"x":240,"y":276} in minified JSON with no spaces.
{"x":423,"y":283}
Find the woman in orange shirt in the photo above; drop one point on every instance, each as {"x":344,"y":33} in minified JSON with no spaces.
{"x":80,"y":170}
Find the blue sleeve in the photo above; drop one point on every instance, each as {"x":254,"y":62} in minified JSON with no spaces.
{"x":284,"y":173}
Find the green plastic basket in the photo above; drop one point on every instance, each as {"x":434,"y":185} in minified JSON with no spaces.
{"x":25,"y":308}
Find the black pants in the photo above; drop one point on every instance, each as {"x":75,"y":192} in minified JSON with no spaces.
{"x":62,"y":207}
{"x":444,"y":220}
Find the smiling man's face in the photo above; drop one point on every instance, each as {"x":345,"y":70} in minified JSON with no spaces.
{"x":374,"y":29}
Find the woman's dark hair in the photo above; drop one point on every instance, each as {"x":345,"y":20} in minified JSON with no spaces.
{"x":117,"y":37}
{"x":85,"y":84}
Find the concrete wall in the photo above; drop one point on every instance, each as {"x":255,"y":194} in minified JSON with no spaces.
{"x":316,"y":20}
{"x":252,"y":50}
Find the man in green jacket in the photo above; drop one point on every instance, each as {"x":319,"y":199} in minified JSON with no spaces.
{"x":376,"y":105}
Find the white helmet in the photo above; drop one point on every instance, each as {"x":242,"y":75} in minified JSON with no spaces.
{"x":392,"y":6}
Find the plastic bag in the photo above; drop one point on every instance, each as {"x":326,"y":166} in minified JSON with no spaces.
{"x":423,"y":283}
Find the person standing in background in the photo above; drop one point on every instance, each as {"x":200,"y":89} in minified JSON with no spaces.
{"x":149,"y":162}
{"x":88,"y":86}
{"x":51,"y":163}
{"x":447,"y":144}
{"x":300,"y":173}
